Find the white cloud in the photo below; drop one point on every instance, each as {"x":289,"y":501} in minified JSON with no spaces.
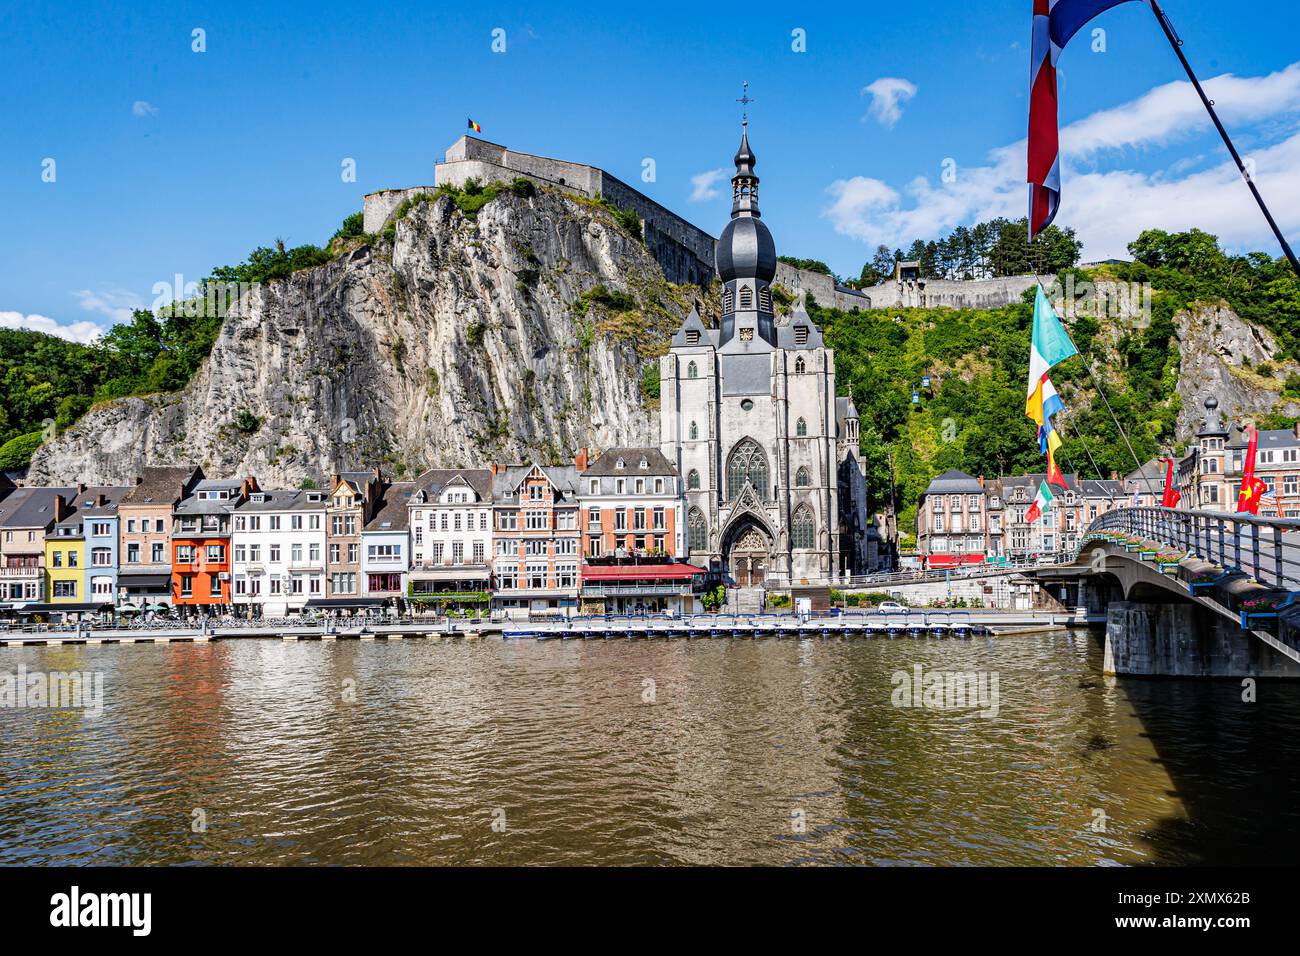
{"x":113,"y":304}
{"x":144,"y":108}
{"x":1109,"y":209}
{"x":84,"y":332}
{"x":888,"y":94}
{"x":702,"y":185}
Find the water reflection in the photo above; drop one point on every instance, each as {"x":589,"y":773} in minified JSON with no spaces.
{"x":720,"y":751}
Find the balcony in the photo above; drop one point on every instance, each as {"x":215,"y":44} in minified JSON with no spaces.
{"x":25,"y":572}
{"x":636,"y":590}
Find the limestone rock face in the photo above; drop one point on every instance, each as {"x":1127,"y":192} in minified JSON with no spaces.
{"x":1220,"y":354}
{"x":462,"y":341}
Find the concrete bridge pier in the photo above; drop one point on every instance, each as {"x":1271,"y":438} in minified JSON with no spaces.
{"x":1181,"y":639}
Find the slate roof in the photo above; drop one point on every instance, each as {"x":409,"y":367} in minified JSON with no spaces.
{"x":194,"y":505}
{"x":606,"y":464}
{"x":954,"y":482}
{"x":282,"y":501}
{"x":563,"y":477}
{"x":433,"y":481}
{"x":31,"y":507}
{"x":393,"y":514}
{"x":161,"y":485}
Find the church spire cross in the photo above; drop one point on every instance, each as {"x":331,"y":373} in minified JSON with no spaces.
{"x":744,"y":100}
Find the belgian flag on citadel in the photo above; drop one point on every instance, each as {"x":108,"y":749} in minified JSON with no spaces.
{"x":474,"y":126}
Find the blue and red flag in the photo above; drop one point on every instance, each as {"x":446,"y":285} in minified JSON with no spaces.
{"x":1055,"y":22}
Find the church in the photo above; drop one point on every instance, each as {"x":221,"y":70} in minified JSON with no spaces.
{"x":769,"y":456}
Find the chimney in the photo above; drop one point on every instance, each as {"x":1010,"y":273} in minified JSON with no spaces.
{"x":334,"y":480}
{"x":493,"y":466}
{"x":81,"y":486}
{"x":101,"y":500}
{"x":981,"y":481}
{"x":1114,"y":475}
{"x":61,"y":508}
{"x":139,"y":479}
{"x":580,"y":460}
{"x":378,"y":476}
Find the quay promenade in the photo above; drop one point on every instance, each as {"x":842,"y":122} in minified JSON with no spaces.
{"x":916,"y":623}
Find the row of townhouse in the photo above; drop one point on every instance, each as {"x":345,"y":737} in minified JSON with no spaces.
{"x":964,"y":520}
{"x":603,"y":536}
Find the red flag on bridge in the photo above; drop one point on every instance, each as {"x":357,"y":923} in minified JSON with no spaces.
{"x":1252,"y":488}
{"x":1172,"y":494}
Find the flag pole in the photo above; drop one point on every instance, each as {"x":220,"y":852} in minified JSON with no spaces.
{"x":1176,"y":42}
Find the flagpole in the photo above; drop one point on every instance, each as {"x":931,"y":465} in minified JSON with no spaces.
{"x":1176,"y":42}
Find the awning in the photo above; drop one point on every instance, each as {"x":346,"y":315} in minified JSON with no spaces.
{"x":143,"y":579}
{"x":954,"y":560}
{"x":640,"y":572}
{"x":65,"y":608}
{"x":326,"y":603}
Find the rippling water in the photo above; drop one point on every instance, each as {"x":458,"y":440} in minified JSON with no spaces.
{"x":767,"y":751}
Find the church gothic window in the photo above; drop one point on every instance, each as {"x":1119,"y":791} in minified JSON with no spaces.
{"x":748,"y":464}
{"x":802,"y":528}
{"x":746,"y":298}
{"x":697,"y":531}
{"x":799,"y":365}
{"x":802,"y":479}
{"x":801,"y":428}
{"x":694,"y":432}
{"x":693,"y":480}
{"x":692,"y":371}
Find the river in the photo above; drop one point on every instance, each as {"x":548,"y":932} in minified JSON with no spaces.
{"x":768,"y":751}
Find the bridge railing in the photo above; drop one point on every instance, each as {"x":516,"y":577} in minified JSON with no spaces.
{"x":1267,"y":549}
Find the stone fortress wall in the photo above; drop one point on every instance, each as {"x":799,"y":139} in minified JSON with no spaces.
{"x":683,"y":250}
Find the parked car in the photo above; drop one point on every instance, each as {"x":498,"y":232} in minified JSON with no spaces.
{"x":892,"y":606}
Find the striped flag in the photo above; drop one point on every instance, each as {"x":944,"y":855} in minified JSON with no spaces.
{"x":1042,"y":501}
{"x":474,"y":126}
{"x":1049,"y":345}
{"x":1055,"y":22}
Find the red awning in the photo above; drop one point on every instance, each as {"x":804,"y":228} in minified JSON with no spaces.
{"x":954,"y":560}
{"x":639,"y":572}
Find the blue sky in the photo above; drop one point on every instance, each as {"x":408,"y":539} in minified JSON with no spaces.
{"x":169,"y":161}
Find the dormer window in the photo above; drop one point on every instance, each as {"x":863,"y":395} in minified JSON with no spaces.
{"x":643,"y":464}
{"x":618,"y":463}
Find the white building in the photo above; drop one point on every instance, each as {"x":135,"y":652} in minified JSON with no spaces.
{"x":451,"y":537}
{"x":386,"y":545}
{"x":279,"y":552}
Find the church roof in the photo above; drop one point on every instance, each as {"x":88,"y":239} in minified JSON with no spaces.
{"x":788,"y":337}
{"x":693,"y":323}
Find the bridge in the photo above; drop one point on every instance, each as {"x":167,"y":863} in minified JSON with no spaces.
{"x":1189,"y":592}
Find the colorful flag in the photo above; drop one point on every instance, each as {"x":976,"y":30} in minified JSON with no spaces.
{"x":1055,"y":22}
{"x":1252,"y":488}
{"x":1042,"y":501}
{"x":1172,"y":494}
{"x":474,"y":126}
{"x":1049,"y":346}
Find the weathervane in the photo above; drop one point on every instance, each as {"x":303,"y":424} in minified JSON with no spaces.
{"x":744,"y":100}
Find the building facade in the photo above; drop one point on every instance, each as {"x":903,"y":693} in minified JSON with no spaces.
{"x":386,"y":546}
{"x":451,"y":539}
{"x":27,"y":515}
{"x":749,"y":418}
{"x":201,"y":556}
{"x":278,"y":546}
{"x":144,"y":581}
{"x":536,"y":537}
{"x":354,"y":498}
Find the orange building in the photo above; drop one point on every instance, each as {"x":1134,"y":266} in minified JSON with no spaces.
{"x":201,"y":559}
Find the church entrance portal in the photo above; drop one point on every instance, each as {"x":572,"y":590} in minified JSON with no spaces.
{"x":748,"y":558}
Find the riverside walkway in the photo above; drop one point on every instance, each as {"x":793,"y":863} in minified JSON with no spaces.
{"x":914,"y":623}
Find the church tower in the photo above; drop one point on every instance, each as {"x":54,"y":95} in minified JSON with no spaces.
{"x":746,"y":260}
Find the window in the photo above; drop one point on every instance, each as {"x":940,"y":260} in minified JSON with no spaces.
{"x":799,"y":365}
{"x":65,"y":589}
{"x":593,"y":518}
{"x":133,"y":554}
{"x":803,"y":530}
{"x":692,"y":370}
{"x":295,"y":522}
{"x":101,"y":557}
{"x":100,"y":529}
{"x":697,"y":531}
{"x":802,"y":478}
{"x":214,"y":587}
{"x":694,"y":432}
{"x":728,"y":300}
{"x":659,"y":519}
{"x":801,"y":428}
{"x":801,"y":335}
{"x":693,"y":480}
{"x":746,"y":298}
{"x":765,"y":299}
{"x":274,"y":552}
{"x":693,"y":336}
{"x":187,"y":585}
{"x":478,"y":552}
{"x":595,"y":486}
{"x":457,"y":552}
{"x":382,"y":552}
{"x":535,"y":520}
{"x":748,"y":464}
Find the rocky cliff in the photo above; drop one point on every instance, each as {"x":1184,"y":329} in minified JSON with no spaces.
{"x":523,"y":330}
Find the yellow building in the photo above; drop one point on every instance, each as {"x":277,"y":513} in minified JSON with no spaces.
{"x":65,"y":562}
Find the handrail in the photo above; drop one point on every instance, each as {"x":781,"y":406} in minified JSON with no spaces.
{"x":1247,"y":543}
